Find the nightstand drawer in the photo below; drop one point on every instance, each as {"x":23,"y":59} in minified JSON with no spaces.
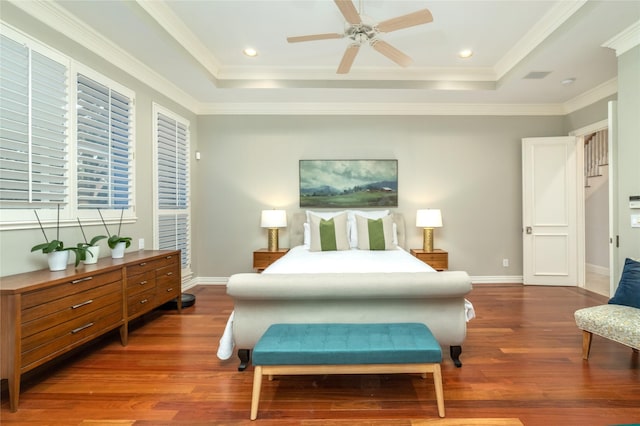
{"x":437,"y":259}
{"x":263,"y":258}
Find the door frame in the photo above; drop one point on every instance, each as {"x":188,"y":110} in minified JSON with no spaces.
{"x":580,"y":133}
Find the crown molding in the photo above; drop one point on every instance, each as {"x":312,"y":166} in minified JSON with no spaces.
{"x":626,"y":40}
{"x":56,"y":17}
{"x":589,"y":97}
{"x":180,"y":32}
{"x":550,"y":22}
{"x":301,"y":108}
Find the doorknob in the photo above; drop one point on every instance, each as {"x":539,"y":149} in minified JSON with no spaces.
{"x":529,"y":230}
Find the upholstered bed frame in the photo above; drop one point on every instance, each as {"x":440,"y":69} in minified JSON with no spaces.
{"x":436,"y":299}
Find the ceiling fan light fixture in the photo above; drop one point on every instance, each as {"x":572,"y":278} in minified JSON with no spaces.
{"x":250,"y":52}
{"x":465,"y":53}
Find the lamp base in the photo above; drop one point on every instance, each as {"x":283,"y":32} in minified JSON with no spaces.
{"x":273,"y":239}
{"x":427,"y":240}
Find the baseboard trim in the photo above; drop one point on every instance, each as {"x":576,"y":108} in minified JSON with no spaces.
{"x":487,"y":279}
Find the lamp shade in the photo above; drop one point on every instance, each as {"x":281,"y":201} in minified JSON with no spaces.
{"x":273,"y":219}
{"x":429,"y":218}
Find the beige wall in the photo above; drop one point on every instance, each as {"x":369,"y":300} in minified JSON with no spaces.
{"x":628,"y":171}
{"x":470,"y":167}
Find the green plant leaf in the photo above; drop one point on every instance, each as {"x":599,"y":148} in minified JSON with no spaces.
{"x":114,"y":239}
{"x":97,"y":238}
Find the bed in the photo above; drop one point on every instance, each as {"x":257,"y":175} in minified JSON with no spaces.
{"x":355,"y":284}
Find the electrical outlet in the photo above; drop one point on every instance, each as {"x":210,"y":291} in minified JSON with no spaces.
{"x":505,"y":263}
{"x":141,"y":244}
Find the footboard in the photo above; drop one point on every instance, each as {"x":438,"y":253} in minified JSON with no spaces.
{"x":434,"y":299}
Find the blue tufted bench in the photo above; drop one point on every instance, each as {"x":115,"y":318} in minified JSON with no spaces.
{"x":346,"y":349}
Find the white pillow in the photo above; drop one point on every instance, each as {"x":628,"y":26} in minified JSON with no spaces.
{"x":375,"y":234}
{"x":353,"y":228}
{"x":328,"y":234}
{"x":306,"y":241}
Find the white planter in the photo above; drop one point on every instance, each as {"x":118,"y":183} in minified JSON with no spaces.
{"x":118,"y":251}
{"x":92,"y":250}
{"x":58,"y":260}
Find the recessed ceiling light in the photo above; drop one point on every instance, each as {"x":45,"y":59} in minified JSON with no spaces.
{"x":250,"y":51}
{"x":466,"y":53}
{"x":568,"y":81}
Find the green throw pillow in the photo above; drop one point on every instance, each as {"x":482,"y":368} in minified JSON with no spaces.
{"x":328,"y":234}
{"x":375,"y":234}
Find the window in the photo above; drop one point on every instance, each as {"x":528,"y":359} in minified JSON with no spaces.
{"x":173,"y":230}
{"x":66,"y":137}
{"x":104,"y":146}
{"x":34,"y":130}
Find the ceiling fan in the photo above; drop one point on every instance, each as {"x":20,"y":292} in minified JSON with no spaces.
{"x":362,"y":32}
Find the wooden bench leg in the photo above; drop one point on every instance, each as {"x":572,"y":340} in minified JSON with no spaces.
{"x":437,"y":382}
{"x":586,"y":344}
{"x":255,"y":396}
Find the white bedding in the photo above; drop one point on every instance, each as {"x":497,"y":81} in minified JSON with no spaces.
{"x":301,"y":260}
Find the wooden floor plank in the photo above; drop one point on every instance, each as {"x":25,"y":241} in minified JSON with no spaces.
{"x":522,"y":366}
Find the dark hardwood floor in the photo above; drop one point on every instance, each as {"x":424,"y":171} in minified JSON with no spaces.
{"x":522,"y":365}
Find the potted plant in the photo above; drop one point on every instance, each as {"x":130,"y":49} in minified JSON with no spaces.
{"x":116,"y":243}
{"x":88,"y":251}
{"x":57,"y":253}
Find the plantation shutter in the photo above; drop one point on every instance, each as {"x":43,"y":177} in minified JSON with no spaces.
{"x":104,"y":154}
{"x":33,"y":128}
{"x":173,"y":185}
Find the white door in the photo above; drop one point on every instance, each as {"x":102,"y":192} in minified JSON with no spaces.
{"x":549,"y":193}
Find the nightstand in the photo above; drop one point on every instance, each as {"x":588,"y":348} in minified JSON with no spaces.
{"x":263,"y":258}
{"x":437,"y":259}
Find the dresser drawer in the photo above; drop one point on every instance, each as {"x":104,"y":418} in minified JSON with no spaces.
{"x":77,"y":285}
{"x":141,"y":302}
{"x":141,"y":282}
{"x":48,"y":343}
{"x":42,"y":317}
{"x":144,"y":266}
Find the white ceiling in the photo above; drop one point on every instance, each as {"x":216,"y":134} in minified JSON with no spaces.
{"x":192,"y":50}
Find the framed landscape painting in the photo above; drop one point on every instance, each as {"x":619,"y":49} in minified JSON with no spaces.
{"x":348,"y":183}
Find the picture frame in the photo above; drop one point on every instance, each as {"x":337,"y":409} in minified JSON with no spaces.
{"x":348,"y":183}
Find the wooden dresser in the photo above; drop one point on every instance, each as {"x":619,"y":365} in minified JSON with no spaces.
{"x":45,"y":314}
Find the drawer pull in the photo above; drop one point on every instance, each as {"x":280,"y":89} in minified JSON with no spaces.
{"x":143,"y":282}
{"x":79,"y":329}
{"x":168,"y":257}
{"x":79,"y":305}
{"x":169,"y":290}
{"x":143,"y":263}
{"x":169,"y":273}
{"x":143,"y":301}
{"x":81,"y":280}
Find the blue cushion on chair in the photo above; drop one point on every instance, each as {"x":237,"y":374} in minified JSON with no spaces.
{"x":628,"y":292}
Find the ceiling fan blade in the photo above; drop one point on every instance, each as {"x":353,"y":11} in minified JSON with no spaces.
{"x":405,"y":21}
{"x":348,"y":58}
{"x":313,"y":37}
{"x":392,"y":53}
{"x":349,"y":11}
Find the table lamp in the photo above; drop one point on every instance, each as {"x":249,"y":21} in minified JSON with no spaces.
{"x":272,"y":220}
{"x":428,"y":219}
